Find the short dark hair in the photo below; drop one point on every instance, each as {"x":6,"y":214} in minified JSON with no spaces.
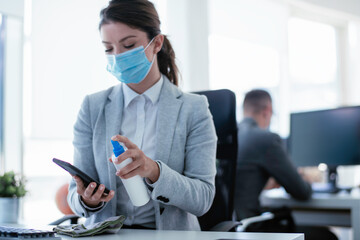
{"x":256,"y":100}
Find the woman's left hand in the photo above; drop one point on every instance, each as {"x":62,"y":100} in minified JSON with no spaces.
{"x":141,"y":164}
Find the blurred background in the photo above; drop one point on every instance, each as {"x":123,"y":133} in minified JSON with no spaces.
{"x":306,"y":53}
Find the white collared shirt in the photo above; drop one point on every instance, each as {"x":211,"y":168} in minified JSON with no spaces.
{"x":139,"y":114}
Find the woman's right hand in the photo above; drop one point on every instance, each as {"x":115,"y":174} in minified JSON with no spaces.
{"x":88,"y":196}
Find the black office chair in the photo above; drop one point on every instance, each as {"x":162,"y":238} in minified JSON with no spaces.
{"x":222,"y":105}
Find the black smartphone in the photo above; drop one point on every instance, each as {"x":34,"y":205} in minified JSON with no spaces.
{"x":77,"y":172}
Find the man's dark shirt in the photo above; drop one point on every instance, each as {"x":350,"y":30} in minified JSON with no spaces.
{"x":261,"y":156}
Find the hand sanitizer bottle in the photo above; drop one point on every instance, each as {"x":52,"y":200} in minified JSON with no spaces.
{"x":135,"y":185}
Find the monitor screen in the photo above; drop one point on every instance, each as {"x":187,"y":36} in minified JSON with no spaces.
{"x":328,"y":136}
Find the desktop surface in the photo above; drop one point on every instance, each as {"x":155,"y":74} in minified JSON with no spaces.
{"x":129,"y":234}
{"x":323,"y":209}
{"x":137,"y":234}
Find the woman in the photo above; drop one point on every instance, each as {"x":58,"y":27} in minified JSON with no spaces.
{"x":169,"y":134}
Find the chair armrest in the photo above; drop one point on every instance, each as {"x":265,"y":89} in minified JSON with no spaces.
{"x":225,"y":226}
{"x":73,"y":219}
{"x":247,"y":221}
{"x":241,"y":226}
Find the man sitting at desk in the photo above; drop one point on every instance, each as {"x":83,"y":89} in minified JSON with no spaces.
{"x":261,"y":157}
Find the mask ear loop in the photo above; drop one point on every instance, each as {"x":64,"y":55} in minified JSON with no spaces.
{"x":150,"y":42}
{"x":149,"y":45}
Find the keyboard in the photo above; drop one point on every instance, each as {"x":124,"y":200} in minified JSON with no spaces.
{"x":7,"y":233}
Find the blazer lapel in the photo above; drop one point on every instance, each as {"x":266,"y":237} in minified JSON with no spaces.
{"x":113,"y":117}
{"x":168,"y":111}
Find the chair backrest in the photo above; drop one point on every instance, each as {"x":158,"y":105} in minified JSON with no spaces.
{"x":222,"y":105}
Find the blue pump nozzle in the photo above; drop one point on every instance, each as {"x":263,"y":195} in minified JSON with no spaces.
{"x":117,"y":148}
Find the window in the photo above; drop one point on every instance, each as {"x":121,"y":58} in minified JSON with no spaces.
{"x":295,"y":59}
{"x":235,"y":64}
{"x":248,"y":53}
{"x":313,"y":65}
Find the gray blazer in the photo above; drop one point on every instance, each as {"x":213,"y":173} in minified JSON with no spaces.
{"x":186,"y":147}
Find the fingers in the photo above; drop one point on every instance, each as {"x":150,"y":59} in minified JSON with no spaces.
{"x":130,"y":174}
{"x":99,"y":194}
{"x":129,"y":170}
{"x":107,"y":197}
{"x":138,"y":162}
{"x":141,"y":164}
{"x":89,"y":190}
{"x":89,"y":196}
{"x":125,"y":140}
{"x":79,"y":185}
{"x":130,"y":153}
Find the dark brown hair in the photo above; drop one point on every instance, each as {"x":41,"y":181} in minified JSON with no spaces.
{"x":256,"y":100}
{"x":142,"y":15}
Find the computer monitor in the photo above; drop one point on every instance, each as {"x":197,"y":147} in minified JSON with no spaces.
{"x":328,"y":136}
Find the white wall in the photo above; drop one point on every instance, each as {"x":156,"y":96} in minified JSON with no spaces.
{"x":246,"y":20}
{"x":348,"y":6}
{"x":188,"y":28}
{"x":68,"y":62}
{"x":13,"y":8}
{"x":352,"y":82}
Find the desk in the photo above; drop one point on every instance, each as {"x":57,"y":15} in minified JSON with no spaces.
{"x":342,"y":209}
{"x":138,"y":234}
{"x":132,"y":234}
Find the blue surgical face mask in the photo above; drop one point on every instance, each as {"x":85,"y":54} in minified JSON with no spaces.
{"x":131,"y":66}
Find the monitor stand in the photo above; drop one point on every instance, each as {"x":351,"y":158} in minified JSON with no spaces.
{"x":331,"y":185}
